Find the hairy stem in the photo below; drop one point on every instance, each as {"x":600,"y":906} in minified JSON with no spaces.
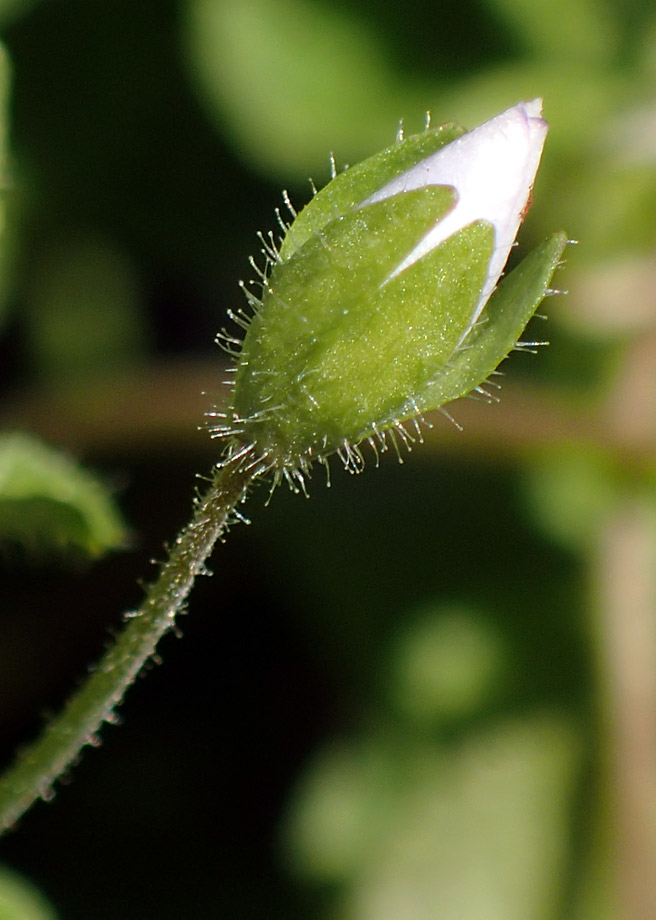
{"x":56,"y":750}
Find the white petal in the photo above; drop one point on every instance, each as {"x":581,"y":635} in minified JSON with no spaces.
{"x":492,"y":169}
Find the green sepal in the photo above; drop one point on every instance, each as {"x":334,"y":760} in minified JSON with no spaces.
{"x":509,"y":309}
{"x":338,"y":347}
{"x":350,"y":188}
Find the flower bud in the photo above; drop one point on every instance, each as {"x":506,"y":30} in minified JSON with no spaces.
{"x":371,"y":308}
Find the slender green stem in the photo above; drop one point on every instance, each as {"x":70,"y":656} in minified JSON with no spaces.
{"x":39,"y":765}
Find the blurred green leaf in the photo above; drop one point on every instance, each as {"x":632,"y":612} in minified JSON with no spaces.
{"x":84,"y":308}
{"x":292,"y":80}
{"x":421,"y":832}
{"x":445,"y":665}
{"x":592,"y":32}
{"x":569,"y":492}
{"x":20,"y":900}
{"x":341,"y":808}
{"x":5,"y":76}
{"x":47,"y":502}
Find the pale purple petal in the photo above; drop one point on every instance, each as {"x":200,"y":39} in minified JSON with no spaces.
{"x":492,"y":169}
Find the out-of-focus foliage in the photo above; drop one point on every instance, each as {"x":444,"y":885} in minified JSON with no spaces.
{"x":571,"y":492}
{"x":20,"y":900}
{"x":446,"y":665}
{"x":4,"y":179}
{"x":293,"y":80}
{"x":403,"y":673}
{"x":14,"y":9}
{"x":48,"y":503}
{"x":478,"y":830}
{"x":85,"y":316}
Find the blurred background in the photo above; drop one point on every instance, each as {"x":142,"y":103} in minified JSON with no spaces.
{"x":430,"y":691}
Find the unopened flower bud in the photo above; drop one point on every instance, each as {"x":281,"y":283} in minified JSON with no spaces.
{"x":379,"y":305}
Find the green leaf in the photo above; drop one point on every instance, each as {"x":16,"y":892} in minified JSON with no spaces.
{"x":48,"y":503}
{"x":592,"y":35}
{"x":288,"y":79}
{"x":472,"y":830}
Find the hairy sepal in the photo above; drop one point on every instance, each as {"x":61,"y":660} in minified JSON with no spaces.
{"x":351,"y":187}
{"x":497,"y":333}
{"x":338,"y":350}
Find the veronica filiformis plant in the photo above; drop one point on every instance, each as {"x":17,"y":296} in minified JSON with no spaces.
{"x":381,"y":302}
